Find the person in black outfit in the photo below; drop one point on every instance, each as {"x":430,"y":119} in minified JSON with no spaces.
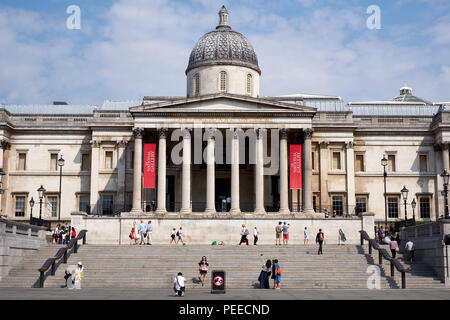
{"x":264,"y":275}
{"x":319,"y":239}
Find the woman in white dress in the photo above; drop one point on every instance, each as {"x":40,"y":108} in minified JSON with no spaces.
{"x":79,"y":275}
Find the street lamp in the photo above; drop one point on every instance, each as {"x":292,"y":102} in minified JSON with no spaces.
{"x":413,"y":206}
{"x":384,"y":163}
{"x":60,"y":164}
{"x":445,"y":175}
{"x":31,"y":206}
{"x":404,"y":192}
{"x":41,"y":192}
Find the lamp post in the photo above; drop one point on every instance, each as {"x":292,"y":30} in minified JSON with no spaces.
{"x":60,"y":164}
{"x":445,"y":175}
{"x":31,"y":207}
{"x":384,"y":163}
{"x":413,"y":206}
{"x":41,"y":192}
{"x":404,"y":192}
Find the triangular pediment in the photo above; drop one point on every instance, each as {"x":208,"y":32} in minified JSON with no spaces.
{"x":221,"y":103}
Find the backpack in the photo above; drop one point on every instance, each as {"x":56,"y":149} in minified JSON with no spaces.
{"x":178,"y":233}
{"x":246,"y":232}
{"x":321,"y":236}
{"x":278,"y":271}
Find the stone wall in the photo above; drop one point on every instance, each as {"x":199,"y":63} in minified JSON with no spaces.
{"x":203,"y":229}
{"x":16,"y":241}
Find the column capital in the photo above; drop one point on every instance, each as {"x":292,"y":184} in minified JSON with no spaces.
{"x":308,"y":132}
{"x":237,"y":132}
{"x":186,"y":133}
{"x":162,"y":133}
{"x":323,"y":144}
{"x":260,"y":132}
{"x":349,"y":144}
{"x":284,"y":133}
{"x":210,"y":133}
{"x":5,"y":144}
{"x":138,"y":133}
{"x":122,"y":143}
{"x":95,"y":143}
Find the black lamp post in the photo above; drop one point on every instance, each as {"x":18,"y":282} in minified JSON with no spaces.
{"x":445,"y":175}
{"x":41,"y":192}
{"x":404,"y":192}
{"x":413,"y":206}
{"x":384,"y":163}
{"x":60,"y":164}
{"x":31,"y":207}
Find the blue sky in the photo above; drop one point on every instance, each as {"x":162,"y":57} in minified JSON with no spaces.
{"x":128,"y":49}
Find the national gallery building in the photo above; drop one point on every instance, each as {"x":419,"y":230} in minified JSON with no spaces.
{"x":225,"y":150}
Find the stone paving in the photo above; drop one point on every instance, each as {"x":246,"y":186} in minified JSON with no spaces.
{"x":234,"y":294}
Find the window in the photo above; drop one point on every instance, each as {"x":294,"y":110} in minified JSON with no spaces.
{"x":53,"y":162}
{"x":85,"y":162}
{"x":424,"y":206}
{"x":196,"y":84}
{"x":22,"y":165}
{"x":107,"y":204}
{"x":108,"y":159}
{"x":393,"y":207}
{"x":312,"y":161}
{"x":249,"y":83}
{"x":83,"y":203}
{"x":391,"y":162}
{"x":53,"y":205}
{"x":20,"y":206}
{"x":337,"y":160}
{"x":338,"y":205}
{"x":359,"y":163}
{"x":361,"y":204}
{"x":223,"y":81}
{"x":423,"y":163}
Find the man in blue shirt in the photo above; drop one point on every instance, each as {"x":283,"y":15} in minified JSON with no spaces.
{"x":149,"y":233}
{"x":142,"y":230}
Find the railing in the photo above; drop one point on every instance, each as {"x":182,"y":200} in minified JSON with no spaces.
{"x":382,"y":253}
{"x":40,"y":222}
{"x":63,"y":253}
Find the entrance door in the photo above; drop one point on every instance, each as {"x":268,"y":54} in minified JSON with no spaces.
{"x":223,"y":192}
{"x":170,"y":193}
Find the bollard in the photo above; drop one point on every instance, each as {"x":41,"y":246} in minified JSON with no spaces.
{"x":380,"y":257}
{"x":84,"y":238}
{"x":65,"y":256}
{"x":403,"y":280}
{"x":392,"y":268}
{"x":370,"y":248}
{"x":53,"y":268}
{"x":75,"y":248}
{"x":41,"y":280}
{"x":362,"y":240}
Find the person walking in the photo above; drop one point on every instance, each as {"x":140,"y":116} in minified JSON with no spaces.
{"x":409,"y":249}
{"x":305,"y":236}
{"x":255,"y":236}
{"x":277,"y":274}
{"x":286,"y":233}
{"x":203,"y":270}
{"x":278,"y":233}
{"x":244,"y":234}
{"x":264,"y":275}
{"x":179,"y":285}
{"x":393,"y":245}
{"x":172,"y":236}
{"x":132,"y":236}
{"x":320,"y":237}
{"x":149,"y":233}
{"x":142,"y":230}
{"x":180,"y":236}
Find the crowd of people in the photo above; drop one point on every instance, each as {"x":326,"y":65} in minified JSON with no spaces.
{"x":62,"y":234}
{"x":393,"y":240}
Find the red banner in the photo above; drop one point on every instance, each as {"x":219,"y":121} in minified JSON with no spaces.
{"x":149,"y":165}
{"x":296,"y":166}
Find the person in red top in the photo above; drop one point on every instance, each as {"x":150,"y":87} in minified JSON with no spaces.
{"x":132,"y":237}
{"x":74,"y":234}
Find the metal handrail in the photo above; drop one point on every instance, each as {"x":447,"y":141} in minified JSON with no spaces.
{"x":383,"y":253}
{"x":62,"y":253}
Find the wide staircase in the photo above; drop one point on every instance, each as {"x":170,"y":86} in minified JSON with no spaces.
{"x":341,"y":266}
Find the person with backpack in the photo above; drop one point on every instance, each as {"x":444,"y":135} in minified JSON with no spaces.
{"x":278,"y":271}
{"x":179,"y":285}
{"x":172,"y":236}
{"x":319,"y":239}
{"x":278,"y":233}
{"x":244,"y":234}
{"x":180,"y":236}
{"x":203,"y":270}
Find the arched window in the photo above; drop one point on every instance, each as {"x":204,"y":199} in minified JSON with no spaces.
{"x":223,"y":81}
{"x":249,"y":83}
{"x":196,"y":84}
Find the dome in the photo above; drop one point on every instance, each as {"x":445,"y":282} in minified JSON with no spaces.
{"x":407,"y":96}
{"x":223,"y":46}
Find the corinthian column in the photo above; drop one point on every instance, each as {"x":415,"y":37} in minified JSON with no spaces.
{"x":235,"y":205}
{"x":161,"y":197}
{"x":308,"y":207}
{"x":210,"y":173}
{"x":351,"y":199}
{"x":259,"y":174}
{"x":186,"y":175}
{"x":137,"y":170}
{"x":284,"y":205}
{"x":94,"y":176}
